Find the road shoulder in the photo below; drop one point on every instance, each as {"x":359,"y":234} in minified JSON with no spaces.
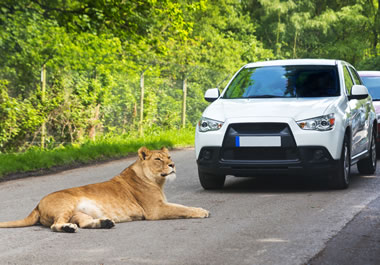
{"x":357,"y":243}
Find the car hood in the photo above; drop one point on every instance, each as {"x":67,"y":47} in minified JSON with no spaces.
{"x":295,"y":108}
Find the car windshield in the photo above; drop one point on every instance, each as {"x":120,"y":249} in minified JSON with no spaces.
{"x":373,"y":85}
{"x":285,"y":82}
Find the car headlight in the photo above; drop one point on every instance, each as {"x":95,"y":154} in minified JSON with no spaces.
{"x":206,"y":125}
{"x":321,"y":123}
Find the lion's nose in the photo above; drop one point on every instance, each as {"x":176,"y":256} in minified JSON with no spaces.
{"x":171,"y":165}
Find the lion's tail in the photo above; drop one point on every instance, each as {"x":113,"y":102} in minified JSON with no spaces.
{"x":30,"y":220}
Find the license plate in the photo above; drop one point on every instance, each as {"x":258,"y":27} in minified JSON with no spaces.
{"x":258,"y":141}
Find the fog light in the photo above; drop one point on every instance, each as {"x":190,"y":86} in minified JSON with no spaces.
{"x":318,"y":154}
{"x":207,"y":154}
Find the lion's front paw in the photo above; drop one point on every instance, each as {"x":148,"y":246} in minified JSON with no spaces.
{"x":69,"y":228}
{"x":202,"y":213}
{"x":107,"y":223}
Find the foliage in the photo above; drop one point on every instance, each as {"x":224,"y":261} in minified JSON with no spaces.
{"x":96,"y":51}
{"x":317,"y":29}
{"x":18,"y":119}
{"x":370,"y":64}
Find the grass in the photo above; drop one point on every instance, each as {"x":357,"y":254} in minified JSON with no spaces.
{"x":102,"y":149}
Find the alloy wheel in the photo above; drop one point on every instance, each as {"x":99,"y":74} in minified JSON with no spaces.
{"x":373,"y":149}
{"x":346,"y":163}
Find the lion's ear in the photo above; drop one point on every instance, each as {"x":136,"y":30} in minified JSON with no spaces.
{"x":165,"y":149}
{"x":143,"y":153}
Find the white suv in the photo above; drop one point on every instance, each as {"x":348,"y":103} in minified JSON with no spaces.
{"x":308,"y":116}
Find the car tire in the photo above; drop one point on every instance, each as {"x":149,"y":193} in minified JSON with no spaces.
{"x":368,"y":164}
{"x":211,"y":181}
{"x":339,"y":179}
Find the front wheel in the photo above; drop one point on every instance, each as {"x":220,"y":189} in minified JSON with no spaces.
{"x":211,"y":181}
{"x":368,"y":165}
{"x":339,"y":179}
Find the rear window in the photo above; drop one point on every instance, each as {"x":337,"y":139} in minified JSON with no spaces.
{"x":285,"y":81}
{"x":373,"y":85}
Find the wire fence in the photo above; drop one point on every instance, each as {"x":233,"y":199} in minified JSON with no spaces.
{"x":74,"y":106}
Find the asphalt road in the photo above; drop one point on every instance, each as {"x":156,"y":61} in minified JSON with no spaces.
{"x":357,"y":243}
{"x":270,"y":220}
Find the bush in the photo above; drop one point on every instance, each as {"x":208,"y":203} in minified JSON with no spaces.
{"x":371,"y":64}
{"x":17,"y":118}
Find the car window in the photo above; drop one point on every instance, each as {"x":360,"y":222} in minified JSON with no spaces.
{"x":355,"y":76}
{"x":373,"y":85}
{"x":285,"y":81}
{"x":347,"y":80}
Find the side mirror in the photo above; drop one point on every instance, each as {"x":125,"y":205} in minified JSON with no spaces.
{"x":358,"y":92}
{"x":212,"y":94}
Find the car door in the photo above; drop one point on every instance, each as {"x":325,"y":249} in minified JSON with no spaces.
{"x":355,"y":107}
{"x":365,"y":110}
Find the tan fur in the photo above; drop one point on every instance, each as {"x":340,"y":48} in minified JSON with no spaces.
{"x":135,"y":194}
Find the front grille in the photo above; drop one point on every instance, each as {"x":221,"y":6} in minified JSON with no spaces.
{"x":258,"y":128}
{"x":287,"y":151}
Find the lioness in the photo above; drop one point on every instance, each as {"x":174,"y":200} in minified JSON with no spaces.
{"x":135,"y":194}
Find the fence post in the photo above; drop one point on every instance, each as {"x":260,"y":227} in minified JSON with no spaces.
{"x":43,"y":90}
{"x":184,"y":89}
{"x":141,"y":132}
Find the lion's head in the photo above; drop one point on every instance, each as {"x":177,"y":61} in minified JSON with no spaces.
{"x":157,"y":164}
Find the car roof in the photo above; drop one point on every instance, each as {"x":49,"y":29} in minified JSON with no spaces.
{"x":293,"y":62}
{"x":369,"y":73}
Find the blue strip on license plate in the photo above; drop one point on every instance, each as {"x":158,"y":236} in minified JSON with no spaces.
{"x":258,"y":141}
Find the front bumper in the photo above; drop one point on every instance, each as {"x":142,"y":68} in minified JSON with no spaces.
{"x":283,"y":156}
{"x":310,"y":160}
{"x":331,"y":140}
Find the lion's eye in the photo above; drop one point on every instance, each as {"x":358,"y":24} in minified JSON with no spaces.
{"x":157,"y":158}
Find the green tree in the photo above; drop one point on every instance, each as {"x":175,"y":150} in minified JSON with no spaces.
{"x":319,"y":29}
